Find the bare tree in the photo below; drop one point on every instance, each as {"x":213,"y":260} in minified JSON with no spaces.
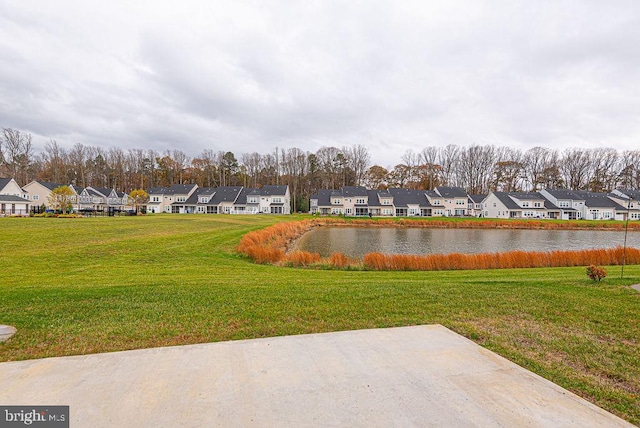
{"x":603,"y":169}
{"x":359,"y":160}
{"x":448,"y":159}
{"x":78,"y":165}
{"x":17,"y":155}
{"x":475,"y":167}
{"x":575,"y":168}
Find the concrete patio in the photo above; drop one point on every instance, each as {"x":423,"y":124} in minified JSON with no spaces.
{"x":406,"y":376}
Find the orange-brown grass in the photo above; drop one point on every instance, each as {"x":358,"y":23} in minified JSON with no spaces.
{"x":302,"y":258}
{"x":507,"y":260}
{"x":339,"y":260}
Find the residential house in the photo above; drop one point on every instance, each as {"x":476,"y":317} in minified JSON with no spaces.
{"x":410,"y":202}
{"x":39,"y":193}
{"x":9,"y":186}
{"x":519,"y":205}
{"x":320,"y":203}
{"x":453,"y":200}
{"x":237,"y":200}
{"x":224,"y":199}
{"x":354,"y":201}
{"x":587,"y":205}
{"x":570,"y":204}
{"x":271,"y":199}
{"x":12,"y":200}
{"x":475,"y":205}
{"x":381,"y":203}
{"x":630,"y":199}
{"x":170,"y":199}
{"x":102,"y":199}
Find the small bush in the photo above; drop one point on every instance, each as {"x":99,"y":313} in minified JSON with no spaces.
{"x":596,"y":273}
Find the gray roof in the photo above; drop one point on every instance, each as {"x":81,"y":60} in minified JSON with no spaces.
{"x":507,"y":201}
{"x":477,"y":198}
{"x":225,"y":194}
{"x":102,"y":191}
{"x":353,"y":191}
{"x":48,"y":184}
{"x":323,"y":197}
{"x":598,"y":200}
{"x":527,"y":196}
{"x":195,"y":196}
{"x":404,"y":197}
{"x":241,"y":199}
{"x":13,"y":198}
{"x":564,"y":194}
{"x":182,"y":189}
{"x":4,"y":182}
{"x":635,"y":194}
{"x":273,"y":190}
{"x":451,"y":192}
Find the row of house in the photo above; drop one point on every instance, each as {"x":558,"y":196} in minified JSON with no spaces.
{"x":191,"y":199}
{"x":348,"y":200}
{"x":179,"y":198}
{"x":454,"y":201}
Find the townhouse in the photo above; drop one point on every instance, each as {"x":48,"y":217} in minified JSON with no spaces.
{"x":13,"y":199}
{"x":518,"y":205}
{"x":170,"y":199}
{"x":394,"y":202}
{"x":188,"y":199}
{"x":454,"y":201}
{"x":630,"y":199}
{"x":101,"y":199}
{"x":475,"y":205}
{"x":580,"y":204}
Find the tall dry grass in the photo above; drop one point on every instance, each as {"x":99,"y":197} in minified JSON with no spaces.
{"x":507,"y":260}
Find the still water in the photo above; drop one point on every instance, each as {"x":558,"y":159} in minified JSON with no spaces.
{"x":358,"y":241}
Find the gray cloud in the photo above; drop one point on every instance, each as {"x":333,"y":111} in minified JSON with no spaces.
{"x":249,"y":76}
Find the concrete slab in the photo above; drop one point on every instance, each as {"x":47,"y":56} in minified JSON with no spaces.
{"x":6,"y":331}
{"x":407,"y":376}
{"x":636,"y":287}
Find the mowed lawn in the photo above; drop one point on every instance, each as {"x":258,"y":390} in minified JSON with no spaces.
{"x":76,"y":286}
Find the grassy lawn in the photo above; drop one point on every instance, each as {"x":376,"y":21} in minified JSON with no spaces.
{"x":76,"y":286}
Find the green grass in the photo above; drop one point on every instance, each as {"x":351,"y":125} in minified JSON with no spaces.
{"x":76,"y":286}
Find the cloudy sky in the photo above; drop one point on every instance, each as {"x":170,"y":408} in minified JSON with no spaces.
{"x":250,"y":76}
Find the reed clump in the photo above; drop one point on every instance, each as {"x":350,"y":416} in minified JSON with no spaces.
{"x":506,"y":260}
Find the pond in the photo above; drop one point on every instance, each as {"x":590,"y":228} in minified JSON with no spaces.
{"x":358,"y":241}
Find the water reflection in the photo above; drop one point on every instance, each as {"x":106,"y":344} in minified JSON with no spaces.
{"x":357,"y":241}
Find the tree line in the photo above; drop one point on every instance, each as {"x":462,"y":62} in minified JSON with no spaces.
{"x":476,"y":168}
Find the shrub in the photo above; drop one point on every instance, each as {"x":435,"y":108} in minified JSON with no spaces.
{"x":596,"y":273}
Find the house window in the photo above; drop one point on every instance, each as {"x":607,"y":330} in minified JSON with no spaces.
{"x":386,"y":202}
{"x":460,"y":201}
{"x":436,"y":202}
{"x":494,"y":205}
{"x":36,"y":197}
{"x":252,"y":200}
{"x":203,"y":199}
{"x":277,"y":200}
{"x":335,"y":201}
{"x":348,"y":211}
{"x":525,"y":205}
{"x":536,"y":205}
{"x":180,"y":199}
{"x":360,"y":201}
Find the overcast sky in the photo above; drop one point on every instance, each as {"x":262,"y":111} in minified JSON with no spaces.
{"x":247,"y":76}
